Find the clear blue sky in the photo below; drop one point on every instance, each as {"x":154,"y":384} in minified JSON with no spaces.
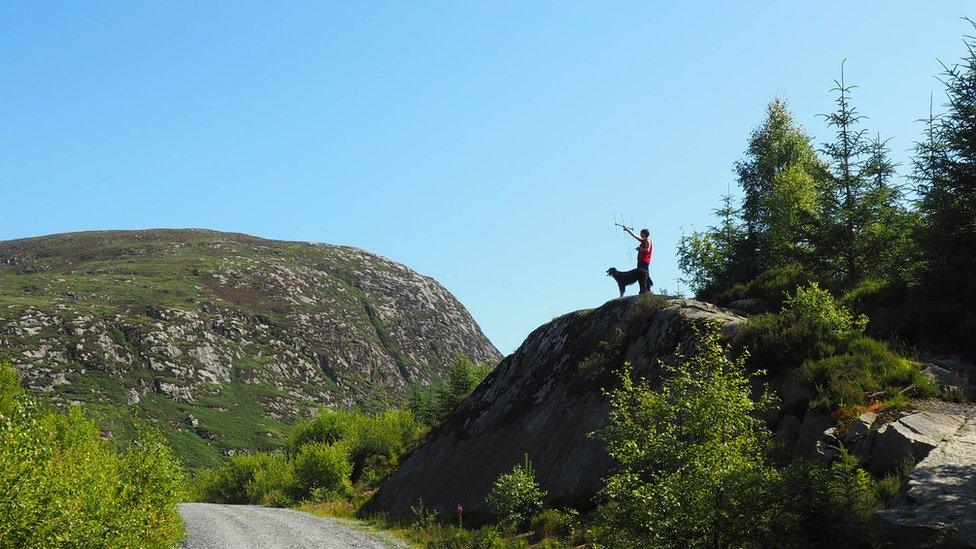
{"x":485,"y":145}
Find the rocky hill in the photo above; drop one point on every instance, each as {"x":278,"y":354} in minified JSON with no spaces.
{"x":545,"y":399}
{"x":220,"y":339}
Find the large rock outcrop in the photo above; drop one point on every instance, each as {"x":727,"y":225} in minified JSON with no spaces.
{"x":937,"y":506}
{"x":544,"y":400}
{"x":243,"y":333}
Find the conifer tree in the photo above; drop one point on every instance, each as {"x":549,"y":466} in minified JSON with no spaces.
{"x":948,"y":205}
{"x":930,"y":159}
{"x":865,"y":228}
{"x":843,"y":217}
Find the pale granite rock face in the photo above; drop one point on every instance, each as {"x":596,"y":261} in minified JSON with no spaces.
{"x":938,"y":506}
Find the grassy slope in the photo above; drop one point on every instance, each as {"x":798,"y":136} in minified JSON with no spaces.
{"x":126,"y":275}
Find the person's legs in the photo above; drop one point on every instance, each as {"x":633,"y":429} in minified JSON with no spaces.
{"x":647,"y":270}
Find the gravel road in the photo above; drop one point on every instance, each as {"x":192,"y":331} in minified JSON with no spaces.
{"x":212,"y":526}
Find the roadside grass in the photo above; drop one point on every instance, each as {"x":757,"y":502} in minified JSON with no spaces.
{"x":426,"y":533}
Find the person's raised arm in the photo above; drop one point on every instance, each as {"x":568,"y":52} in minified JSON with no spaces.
{"x":631,"y":233}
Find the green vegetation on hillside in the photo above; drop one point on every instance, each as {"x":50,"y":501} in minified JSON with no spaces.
{"x":821,"y":340}
{"x":902,"y":252}
{"x":221,"y":341}
{"x":696,"y":467}
{"x":431,"y":404}
{"x":324,"y":458}
{"x":62,"y":486}
{"x":338,"y":453}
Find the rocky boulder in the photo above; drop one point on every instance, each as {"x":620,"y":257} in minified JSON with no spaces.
{"x":543,"y":401}
{"x":909,"y":440}
{"x":953,"y":375}
{"x":937,"y":507}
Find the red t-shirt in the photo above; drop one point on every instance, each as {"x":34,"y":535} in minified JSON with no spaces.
{"x":646,"y":251}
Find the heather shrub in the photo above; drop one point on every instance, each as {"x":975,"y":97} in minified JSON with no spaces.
{"x":811,"y":325}
{"x":864,"y":371}
{"x":772,"y":286}
{"x":555,"y":523}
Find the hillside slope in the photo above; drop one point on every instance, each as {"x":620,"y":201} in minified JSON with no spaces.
{"x":546,"y":398}
{"x":221,"y":339}
{"x":543,"y":401}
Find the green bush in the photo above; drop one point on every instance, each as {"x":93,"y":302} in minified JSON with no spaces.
{"x":322,"y":457}
{"x":61,"y":485}
{"x":811,"y":325}
{"x":516,"y":496}
{"x":386,"y":434}
{"x":323,"y":470}
{"x":691,"y":467}
{"x":831,"y":505}
{"x":327,"y":427}
{"x":556,"y":523}
{"x":274,"y":482}
{"x":772,"y":286}
{"x":231,"y":482}
{"x":864,"y":371}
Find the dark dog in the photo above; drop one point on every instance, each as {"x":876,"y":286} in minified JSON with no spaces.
{"x":627,"y":278}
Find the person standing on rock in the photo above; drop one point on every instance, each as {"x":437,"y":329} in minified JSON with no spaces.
{"x":644,"y":250}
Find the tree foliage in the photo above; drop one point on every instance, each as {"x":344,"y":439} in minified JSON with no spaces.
{"x":691,"y":457}
{"x":946,"y":168}
{"x":431,"y":404}
{"x":516,"y":497}
{"x":62,"y":486}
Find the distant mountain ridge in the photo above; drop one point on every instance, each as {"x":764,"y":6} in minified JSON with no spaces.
{"x":221,"y":338}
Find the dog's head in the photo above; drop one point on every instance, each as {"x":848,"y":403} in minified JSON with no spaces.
{"x":612,"y":271}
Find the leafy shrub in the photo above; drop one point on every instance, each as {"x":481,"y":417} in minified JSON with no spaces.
{"x":327,"y":427}
{"x":831,"y":505}
{"x":386,"y":434}
{"x":233,"y":481}
{"x":61,"y":485}
{"x":817,"y":309}
{"x":772,"y":286}
{"x":323,"y":470}
{"x":864,"y":371}
{"x":811,"y":325}
{"x":516,"y":496}
{"x":691,"y":466}
{"x":274,"y":481}
{"x":558,"y":523}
